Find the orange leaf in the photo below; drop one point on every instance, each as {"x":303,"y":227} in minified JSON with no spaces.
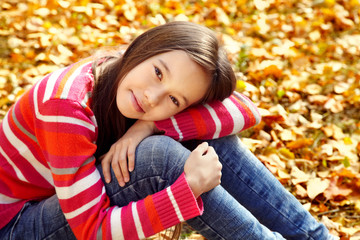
{"x":272,"y":70}
{"x":273,"y":119}
{"x":346,"y":173}
{"x":300,"y":143}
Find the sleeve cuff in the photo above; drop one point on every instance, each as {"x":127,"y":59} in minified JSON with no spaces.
{"x":183,"y":201}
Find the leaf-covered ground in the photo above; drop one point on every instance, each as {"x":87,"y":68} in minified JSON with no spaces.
{"x":298,"y":60}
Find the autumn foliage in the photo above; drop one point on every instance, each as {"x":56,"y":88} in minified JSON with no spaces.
{"x":298,"y":60}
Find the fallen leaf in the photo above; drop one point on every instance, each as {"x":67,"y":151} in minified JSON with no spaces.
{"x":315,"y":186}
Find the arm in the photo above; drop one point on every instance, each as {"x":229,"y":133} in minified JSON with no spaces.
{"x":66,"y":135}
{"x":212,"y":120}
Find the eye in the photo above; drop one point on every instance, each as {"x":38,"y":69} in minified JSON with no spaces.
{"x":174,"y":100}
{"x":158,"y":72}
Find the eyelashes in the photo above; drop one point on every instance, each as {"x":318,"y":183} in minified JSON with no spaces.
{"x":174,"y":100}
{"x":158,"y":73}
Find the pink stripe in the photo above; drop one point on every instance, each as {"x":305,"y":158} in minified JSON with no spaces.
{"x":128,"y":226}
{"x":81,"y":198}
{"x":144,"y":219}
{"x":23,"y":164}
{"x":24,"y":138}
{"x":106,"y":225}
{"x":182,"y":195}
{"x":165,"y":209}
{"x":183,"y":125}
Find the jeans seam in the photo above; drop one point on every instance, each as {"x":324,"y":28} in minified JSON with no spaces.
{"x":17,"y":220}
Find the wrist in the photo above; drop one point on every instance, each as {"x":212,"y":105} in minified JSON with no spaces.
{"x":195,"y":186}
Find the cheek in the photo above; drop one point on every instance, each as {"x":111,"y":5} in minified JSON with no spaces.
{"x":164,"y":112}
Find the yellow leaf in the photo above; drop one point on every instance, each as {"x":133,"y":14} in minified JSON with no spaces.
{"x":287,"y":153}
{"x":240,"y":85}
{"x":347,"y":141}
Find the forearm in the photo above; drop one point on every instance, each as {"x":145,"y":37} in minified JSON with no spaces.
{"x":212,"y":120}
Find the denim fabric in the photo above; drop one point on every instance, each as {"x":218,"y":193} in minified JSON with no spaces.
{"x":249,"y":204}
{"x":38,"y":220}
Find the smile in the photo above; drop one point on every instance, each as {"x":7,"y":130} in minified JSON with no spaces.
{"x":136,"y":104}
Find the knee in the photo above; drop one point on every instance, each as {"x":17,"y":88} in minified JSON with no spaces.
{"x":161,"y":152}
{"x":157,"y":145}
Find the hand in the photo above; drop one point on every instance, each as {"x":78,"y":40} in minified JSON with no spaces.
{"x":203,"y":169}
{"x":121,"y":155}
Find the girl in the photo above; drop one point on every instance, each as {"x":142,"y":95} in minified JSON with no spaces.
{"x":177,"y":76}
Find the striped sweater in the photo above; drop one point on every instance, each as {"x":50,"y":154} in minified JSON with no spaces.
{"x":47,"y":142}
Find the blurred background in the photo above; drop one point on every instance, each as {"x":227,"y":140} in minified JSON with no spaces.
{"x":298,"y":60}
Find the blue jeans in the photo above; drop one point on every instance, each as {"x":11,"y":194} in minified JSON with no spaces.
{"x":249,"y":204}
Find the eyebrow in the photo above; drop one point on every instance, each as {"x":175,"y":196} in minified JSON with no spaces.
{"x":169,"y":73}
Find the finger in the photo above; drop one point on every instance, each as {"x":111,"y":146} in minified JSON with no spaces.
{"x":131,"y":158}
{"x":124,"y":165}
{"x":117,"y":172}
{"x":202,"y":148}
{"x":105,"y":164}
{"x":211,"y":150}
{"x":117,"y":167}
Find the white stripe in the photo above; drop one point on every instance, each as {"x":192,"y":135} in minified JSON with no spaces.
{"x":84,"y":207}
{"x":175,"y":205}
{"x":173,"y":120}
{"x":216,"y":120}
{"x":236,"y":115}
{"x":137,"y":222}
{"x":78,"y":186}
{"x":7,"y":200}
{"x":115,"y":224}
{"x":16,"y":169}
{"x":250,"y":105}
{"x":70,"y":81}
{"x":62,"y":119}
{"x":51,"y":83}
{"x":25,"y":152}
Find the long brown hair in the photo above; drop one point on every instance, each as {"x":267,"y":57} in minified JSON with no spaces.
{"x":199,"y":42}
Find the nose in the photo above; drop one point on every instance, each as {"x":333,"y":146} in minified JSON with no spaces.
{"x":153,"y":95}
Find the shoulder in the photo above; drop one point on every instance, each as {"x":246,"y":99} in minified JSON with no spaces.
{"x":74,"y":82}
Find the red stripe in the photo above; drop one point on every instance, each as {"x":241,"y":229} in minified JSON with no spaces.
{"x":199,"y":122}
{"x":165,"y":209}
{"x":152,"y":213}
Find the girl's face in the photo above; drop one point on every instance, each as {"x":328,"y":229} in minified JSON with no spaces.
{"x":162,"y":86}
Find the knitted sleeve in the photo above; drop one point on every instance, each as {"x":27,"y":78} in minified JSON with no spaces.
{"x":212,"y":120}
{"x":66,"y":134}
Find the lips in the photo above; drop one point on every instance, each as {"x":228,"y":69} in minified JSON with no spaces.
{"x":136,"y":103}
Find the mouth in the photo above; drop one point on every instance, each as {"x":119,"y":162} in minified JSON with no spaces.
{"x":136,"y":104}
